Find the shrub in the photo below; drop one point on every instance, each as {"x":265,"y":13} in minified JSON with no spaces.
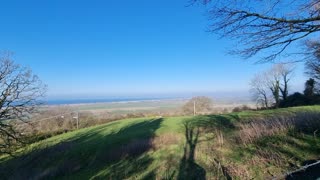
{"x":241,"y":108}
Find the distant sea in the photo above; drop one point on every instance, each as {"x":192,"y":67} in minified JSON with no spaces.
{"x":89,"y":101}
{"x":224,"y":97}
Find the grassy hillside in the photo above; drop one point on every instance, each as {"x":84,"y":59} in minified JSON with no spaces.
{"x":255,"y":144}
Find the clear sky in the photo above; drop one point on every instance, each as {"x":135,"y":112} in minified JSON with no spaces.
{"x":112,"y":47}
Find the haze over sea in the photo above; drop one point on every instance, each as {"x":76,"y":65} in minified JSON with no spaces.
{"x":102,"y":100}
{"x":218,"y":97}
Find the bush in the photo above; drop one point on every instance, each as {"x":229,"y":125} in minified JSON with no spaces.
{"x":298,"y":99}
{"x":241,"y":108}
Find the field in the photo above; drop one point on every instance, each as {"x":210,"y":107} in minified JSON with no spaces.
{"x":244,"y":145}
{"x":131,"y":106}
{"x":163,"y":105}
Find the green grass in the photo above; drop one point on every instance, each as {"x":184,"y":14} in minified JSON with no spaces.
{"x":164,"y":148}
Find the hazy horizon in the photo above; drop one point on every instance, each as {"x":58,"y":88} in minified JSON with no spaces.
{"x":182,"y":94}
{"x":217,"y":97}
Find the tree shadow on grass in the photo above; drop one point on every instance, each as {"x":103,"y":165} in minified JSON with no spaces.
{"x":189,"y":169}
{"x":89,"y":154}
{"x":221,"y":122}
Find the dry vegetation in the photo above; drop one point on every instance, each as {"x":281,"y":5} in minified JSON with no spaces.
{"x":307,"y":122}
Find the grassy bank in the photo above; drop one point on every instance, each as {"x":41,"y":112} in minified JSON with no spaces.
{"x":252,"y":144}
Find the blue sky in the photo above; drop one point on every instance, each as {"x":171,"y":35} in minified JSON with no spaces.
{"x":103,"y":48}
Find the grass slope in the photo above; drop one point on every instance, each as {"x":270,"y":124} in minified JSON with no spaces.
{"x":201,"y":147}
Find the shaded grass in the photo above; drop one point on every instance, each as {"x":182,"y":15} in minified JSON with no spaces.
{"x":189,"y":169}
{"x":93,"y":149}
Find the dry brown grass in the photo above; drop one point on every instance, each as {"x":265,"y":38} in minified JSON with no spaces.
{"x":239,"y":171}
{"x":251,"y":131}
{"x":271,"y":157}
{"x":166,"y":140}
{"x":307,"y":122}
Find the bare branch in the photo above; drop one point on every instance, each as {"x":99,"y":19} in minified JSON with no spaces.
{"x":264,"y":27}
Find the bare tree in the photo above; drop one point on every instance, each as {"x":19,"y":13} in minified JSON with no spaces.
{"x":275,"y":82}
{"x":20,"y":91}
{"x":286,"y":73}
{"x":265,"y":27}
{"x":200,"y":104}
{"x":260,"y":90}
{"x":313,"y":59}
{"x":278,"y":80}
{"x":274,"y":86}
